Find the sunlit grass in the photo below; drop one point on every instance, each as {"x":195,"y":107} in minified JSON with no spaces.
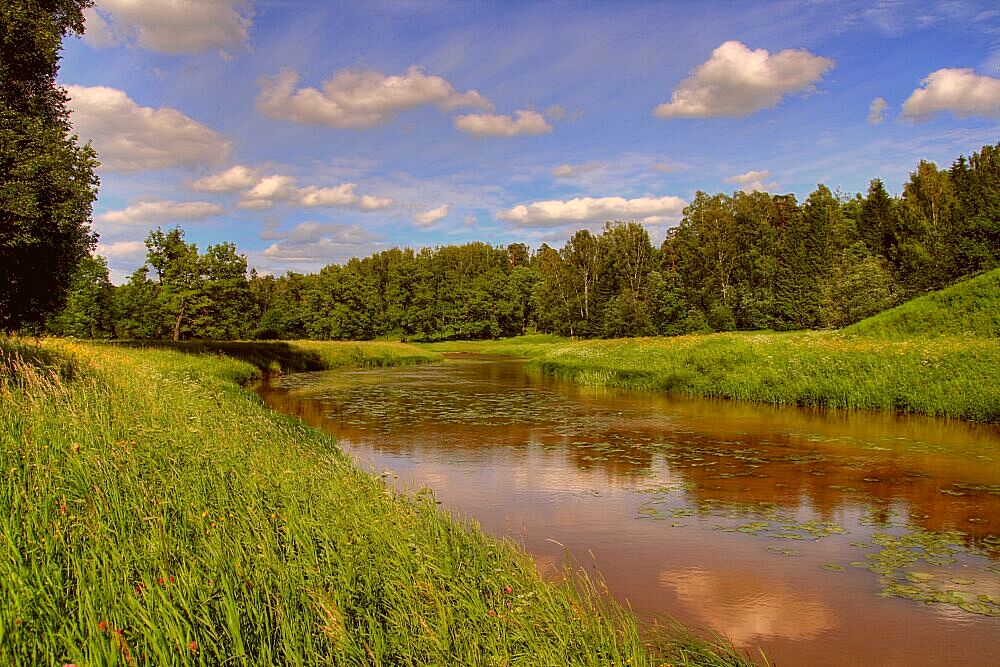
{"x":970,"y":308}
{"x":155,"y":512}
{"x":531,"y":345}
{"x":944,"y":376}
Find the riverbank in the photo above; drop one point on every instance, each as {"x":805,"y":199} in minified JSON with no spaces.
{"x":937,"y":355}
{"x":944,"y":376}
{"x":156,"y":512}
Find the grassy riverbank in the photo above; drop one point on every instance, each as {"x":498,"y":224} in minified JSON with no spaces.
{"x":155,"y":512}
{"x":937,"y":355}
{"x":302,"y":355}
{"x":949,"y":377}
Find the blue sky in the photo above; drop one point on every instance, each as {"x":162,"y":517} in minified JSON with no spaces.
{"x":311,"y":132}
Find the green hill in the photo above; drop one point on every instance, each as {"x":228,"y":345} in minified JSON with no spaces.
{"x":968,"y":308}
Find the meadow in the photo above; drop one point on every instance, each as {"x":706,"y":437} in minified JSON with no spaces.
{"x":154,"y":511}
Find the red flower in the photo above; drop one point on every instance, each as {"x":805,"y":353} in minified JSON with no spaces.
{"x":491,"y":613}
{"x":102,"y":626}
{"x":193,"y":646}
{"x":508,"y":590}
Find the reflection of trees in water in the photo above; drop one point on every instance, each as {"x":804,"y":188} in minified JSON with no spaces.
{"x":766,"y":471}
{"x":728,"y":452}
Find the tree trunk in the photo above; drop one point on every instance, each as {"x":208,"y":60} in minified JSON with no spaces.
{"x":177,"y":323}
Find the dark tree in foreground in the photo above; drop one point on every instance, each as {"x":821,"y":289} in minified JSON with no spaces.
{"x":47,"y":181}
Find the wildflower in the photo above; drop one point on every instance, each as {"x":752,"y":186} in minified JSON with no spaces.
{"x":491,"y":613}
{"x":102,"y":626}
{"x":193,"y":646}
{"x":508,"y":590}
{"x":140,"y":588}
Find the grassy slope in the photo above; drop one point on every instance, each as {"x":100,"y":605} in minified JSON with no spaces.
{"x":970,"y":308}
{"x":155,"y":512}
{"x":936,"y":355}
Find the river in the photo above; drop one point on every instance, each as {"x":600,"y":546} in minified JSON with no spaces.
{"x":820,"y":537}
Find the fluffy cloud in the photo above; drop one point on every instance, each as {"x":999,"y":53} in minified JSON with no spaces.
{"x":876,"y":112}
{"x":158,"y":212}
{"x":960,"y":91}
{"x":129,"y":137}
{"x":316,"y":244}
{"x":555,"y":212}
{"x":736,"y":81}
{"x":171,"y":26}
{"x":276,"y":188}
{"x":431,"y":216}
{"x":753,"y":180}
{"x":122,"y":250}
{"x":528,"y":123}
{"x":357,"y":100}
{"x":233,"y":179}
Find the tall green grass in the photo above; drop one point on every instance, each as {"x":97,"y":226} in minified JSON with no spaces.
{"x":947,"y":377}
{"x":155,"y":512}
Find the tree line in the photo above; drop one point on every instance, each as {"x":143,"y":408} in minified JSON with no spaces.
{"x":735,"y":262}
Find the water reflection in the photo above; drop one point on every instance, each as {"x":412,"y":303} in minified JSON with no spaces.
{"x":807,"y":510}
{"x":750,"y":606}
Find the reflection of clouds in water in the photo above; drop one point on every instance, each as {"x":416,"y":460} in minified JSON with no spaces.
{"x":746,"y":606}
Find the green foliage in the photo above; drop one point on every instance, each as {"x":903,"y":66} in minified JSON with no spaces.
{"x":89,"y":309}
{"x":193,"y":296}
{"x":47,"y":181}
{"x":734,"y":262}
{"x":157,"y":513}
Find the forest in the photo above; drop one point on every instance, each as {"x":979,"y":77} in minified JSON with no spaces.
{"x":745,"y":261}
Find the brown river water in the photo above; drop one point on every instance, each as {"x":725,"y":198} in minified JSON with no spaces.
{"x":820,"y":537}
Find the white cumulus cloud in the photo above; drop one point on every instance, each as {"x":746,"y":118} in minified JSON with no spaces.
{"x":280,"y":188}
{"x":129,"y":137}
{"x":958,"y":90}
{"x":313,"y":244}
{"x":122,"y":250}
{"x":357,"y":100}
{"x":737,"y":81}
{"x":556,"y":212}
{"x":170,"y":26}
{"x":431,"y":216}
{"x":527,"y":123}
{"x":876,"y":112}
{"x":151,"y":213}
{"x":754,"y":180}
{"x":233,"y":179}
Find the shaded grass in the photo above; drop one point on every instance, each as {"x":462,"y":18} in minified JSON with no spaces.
{"x":295,"y":356}
{"x":944,"y":376}
{"x":155,"y":512}
{"x":970,"y":308}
